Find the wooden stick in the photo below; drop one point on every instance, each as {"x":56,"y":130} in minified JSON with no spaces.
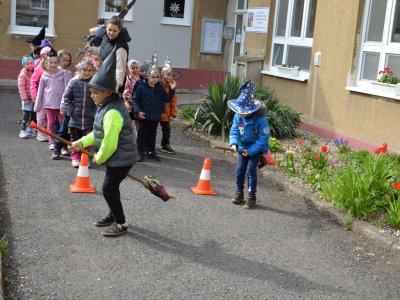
{"x":64,"y":141}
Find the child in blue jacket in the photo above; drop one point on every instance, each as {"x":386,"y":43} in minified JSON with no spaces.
{"x":149,"y":100}
{"x":249,"y":138}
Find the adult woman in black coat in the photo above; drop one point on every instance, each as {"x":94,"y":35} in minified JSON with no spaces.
{"x":116,"y":36}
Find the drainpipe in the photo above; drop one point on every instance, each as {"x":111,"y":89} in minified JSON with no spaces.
{"x":317,"y":62}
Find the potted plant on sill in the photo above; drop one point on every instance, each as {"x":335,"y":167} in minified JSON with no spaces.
{"x":387,"y":82}
{"x":289,"y":70}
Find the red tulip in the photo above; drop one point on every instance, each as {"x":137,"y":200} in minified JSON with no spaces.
{"x":324,"y":148}
{"x":316,"y":157}
{"x":396,"y":185}
{"x":300,"y":141}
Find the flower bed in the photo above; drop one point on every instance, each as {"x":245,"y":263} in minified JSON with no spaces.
{"x":364,"y":184}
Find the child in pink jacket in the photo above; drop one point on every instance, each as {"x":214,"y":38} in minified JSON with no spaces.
{"x":51,"y":88}
{"x":24,"y":79}
{"x":34,"y":85}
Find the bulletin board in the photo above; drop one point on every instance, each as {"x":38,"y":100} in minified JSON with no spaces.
{"x":212,"y":32}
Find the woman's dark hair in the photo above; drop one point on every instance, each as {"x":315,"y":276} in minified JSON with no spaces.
{"x":115,"y":20}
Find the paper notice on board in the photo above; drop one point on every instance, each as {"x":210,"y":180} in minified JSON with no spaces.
{"x":257,"y":19}
{"x":212,"y":37}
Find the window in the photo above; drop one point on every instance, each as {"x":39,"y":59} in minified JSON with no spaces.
{"x":29,"y":16}
{"x":109,"y":8}
{"x":177,"y":12}
{"x":381,"y":40}
{"x":240,"y":28}
{"x":293,"y":33}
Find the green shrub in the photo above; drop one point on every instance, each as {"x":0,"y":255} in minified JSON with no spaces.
{"x":282,"y":119}
{"x":4,"y":247}
{"x":274,"y":145}
{"x":214,"y":115}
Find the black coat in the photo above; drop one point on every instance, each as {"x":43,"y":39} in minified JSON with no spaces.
{"x":151,"y":100}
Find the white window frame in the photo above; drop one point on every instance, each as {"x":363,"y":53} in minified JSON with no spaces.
{"x":30,"y":30}
{"x":185,"y":21}
{"x":108,"y":15}
{"x":383,"y":48}
{"x":287,"y":40}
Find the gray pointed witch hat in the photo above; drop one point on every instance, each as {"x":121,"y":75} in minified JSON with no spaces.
{"x":104,"y":79}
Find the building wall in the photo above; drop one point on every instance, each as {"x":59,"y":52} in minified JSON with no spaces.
{"x":67,"y":34}
{"x":202,"y":10}
{"x":256,"y":43}
{"x":323,"y":100}
{"x":148,"y":35}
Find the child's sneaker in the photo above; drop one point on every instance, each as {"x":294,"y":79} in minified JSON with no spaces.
{"x":56,"y":154}
{"x":105,"y":221}
{"x":65,"y":152}
{"x":42,"y":138}
{"x":154,"y":156}
{"x":75,"y":163}
{"x":115,"y":230}
{"x":167,"y":149}
{"x":31,"y":132}
{"x":23,"y":134}
{"x":51,"y":146}
{"x":140,"y":157}
{"x":238,"y":198}
{"x":250,"y":201}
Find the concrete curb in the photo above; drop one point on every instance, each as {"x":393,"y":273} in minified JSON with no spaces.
{"x":281,"y":182}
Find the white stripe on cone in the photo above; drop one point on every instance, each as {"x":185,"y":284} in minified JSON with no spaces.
{"x":83,"y":171}
{"x":205,"y":175}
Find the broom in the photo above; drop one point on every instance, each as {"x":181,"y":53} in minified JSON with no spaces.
{"x":265,"y":159}
{"x":150,"y":183}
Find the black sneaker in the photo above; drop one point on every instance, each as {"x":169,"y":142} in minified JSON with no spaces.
{"x":238,"y":198}
{"x":250,"y":202}
{"x":140,"y":157}
{"x":154,"y":156}
{"x":115,"y":230}
{"x":167,"y":149}
{"x":104,"y":221}
{"x":56,"y":154}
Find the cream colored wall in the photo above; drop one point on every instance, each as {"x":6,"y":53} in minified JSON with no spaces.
{"x":72,"y":19}
{"x":336,"y":36}
{"x":256,"y":43}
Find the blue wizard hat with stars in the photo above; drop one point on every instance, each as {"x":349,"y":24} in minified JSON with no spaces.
{"x":246,"y":103}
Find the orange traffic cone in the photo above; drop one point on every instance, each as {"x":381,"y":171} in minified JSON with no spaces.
{"x":82,"y":183}
{"x":204,"y":184}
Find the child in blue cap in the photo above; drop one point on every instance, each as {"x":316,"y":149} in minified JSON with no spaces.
{"x":248,"y":138}
{"x":24,"y":79}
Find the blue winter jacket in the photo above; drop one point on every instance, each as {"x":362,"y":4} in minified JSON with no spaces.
{"x":151,"y":100}
{"x":250,"y":133}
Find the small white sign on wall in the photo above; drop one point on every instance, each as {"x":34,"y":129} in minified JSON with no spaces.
{"x":257,"y":19}
{"x":211,"y":36}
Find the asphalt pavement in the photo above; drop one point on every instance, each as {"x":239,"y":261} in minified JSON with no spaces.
{"x":196,"y":247}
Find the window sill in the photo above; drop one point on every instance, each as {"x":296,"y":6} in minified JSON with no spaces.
{"x":371,"y":91}
{"x":300,"y":77}
{"x":28,"y":33}
{"x":175,"y":23}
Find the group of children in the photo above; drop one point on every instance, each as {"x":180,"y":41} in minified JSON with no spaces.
{"x":88,"y":108}
{"x":51,"y":94}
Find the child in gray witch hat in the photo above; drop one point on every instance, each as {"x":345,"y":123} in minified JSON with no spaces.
{"x":114,"y":144}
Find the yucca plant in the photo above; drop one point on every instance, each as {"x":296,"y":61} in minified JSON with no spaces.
{"x":214,"y":115}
